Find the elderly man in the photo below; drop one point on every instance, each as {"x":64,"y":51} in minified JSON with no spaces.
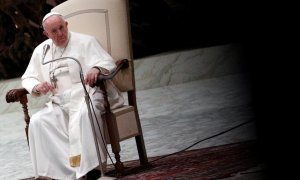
{"x":60,"y":136}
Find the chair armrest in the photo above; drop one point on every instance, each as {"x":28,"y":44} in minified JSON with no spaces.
{"x":17,"y":95}
{"x":121,"y":64}
{"x":20,"y":95}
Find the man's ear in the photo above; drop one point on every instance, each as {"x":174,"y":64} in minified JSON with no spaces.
{"x":45,"y":33}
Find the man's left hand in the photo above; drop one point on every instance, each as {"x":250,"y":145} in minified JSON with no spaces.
{"x":91,"y":76}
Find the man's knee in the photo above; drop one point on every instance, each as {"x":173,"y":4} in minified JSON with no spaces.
{"x":35,"y":121}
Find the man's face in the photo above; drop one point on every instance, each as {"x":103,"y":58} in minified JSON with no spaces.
{"x":56,"y":28}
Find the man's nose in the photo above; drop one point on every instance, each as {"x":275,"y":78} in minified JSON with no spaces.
{"x":59,"y":32}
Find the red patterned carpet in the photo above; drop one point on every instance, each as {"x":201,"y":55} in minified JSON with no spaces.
{"x":207,"y":163}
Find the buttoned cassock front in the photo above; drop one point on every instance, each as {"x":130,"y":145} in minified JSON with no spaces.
{"x":60,"y":133}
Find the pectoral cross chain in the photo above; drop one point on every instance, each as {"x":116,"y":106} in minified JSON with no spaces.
{"x":53,"y":80}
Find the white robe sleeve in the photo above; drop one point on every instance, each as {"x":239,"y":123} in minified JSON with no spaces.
{"x":32,"y":75}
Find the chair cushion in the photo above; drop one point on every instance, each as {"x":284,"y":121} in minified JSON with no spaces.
{"x":126,"y":122}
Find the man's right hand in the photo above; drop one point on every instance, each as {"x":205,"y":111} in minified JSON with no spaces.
{"x":43,"y":88}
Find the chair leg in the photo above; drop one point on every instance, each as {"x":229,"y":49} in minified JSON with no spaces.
{"x":118,"y":164}
{"x":114,"y":141}
{"x":119,"y":167}
{"x":141,"y":149}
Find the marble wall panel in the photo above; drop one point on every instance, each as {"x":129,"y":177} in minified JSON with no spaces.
{"x":184,"y":66}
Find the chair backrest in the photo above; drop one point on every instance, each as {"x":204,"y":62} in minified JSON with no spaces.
{"x":108,"y":21}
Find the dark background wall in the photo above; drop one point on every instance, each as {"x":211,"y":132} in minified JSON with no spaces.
{"x":156,"y":25}
{"x":164,"y":25}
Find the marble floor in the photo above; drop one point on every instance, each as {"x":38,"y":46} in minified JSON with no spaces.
{"x":172,"y":117}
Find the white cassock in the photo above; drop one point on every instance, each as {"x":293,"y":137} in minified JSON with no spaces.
{"x":60,"y":135}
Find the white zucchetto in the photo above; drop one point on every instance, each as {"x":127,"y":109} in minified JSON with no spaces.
{"x":50,"y":14}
